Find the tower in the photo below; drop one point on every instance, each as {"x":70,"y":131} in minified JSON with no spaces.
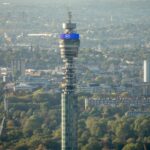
{"x":69,"y":45}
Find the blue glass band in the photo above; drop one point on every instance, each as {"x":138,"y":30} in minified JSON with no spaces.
{"x":72,"y":36}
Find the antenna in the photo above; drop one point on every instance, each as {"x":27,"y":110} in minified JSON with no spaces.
{"x":68,"y":8}
{"x":69,"y":16}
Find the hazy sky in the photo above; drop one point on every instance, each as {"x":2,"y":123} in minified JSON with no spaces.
{"x":86,"y":7}
{"x":81,"y":2}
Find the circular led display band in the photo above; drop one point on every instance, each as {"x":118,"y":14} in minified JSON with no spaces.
{"x":72,"y":36}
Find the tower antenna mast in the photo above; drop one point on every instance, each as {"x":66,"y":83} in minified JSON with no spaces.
{"x":69,"y":16}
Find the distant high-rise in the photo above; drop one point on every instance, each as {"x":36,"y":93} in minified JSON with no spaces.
{"x":69,"y":46}
{"x":18,"y":67}
{"x":146,"y":70}
{"x":146,"y":78}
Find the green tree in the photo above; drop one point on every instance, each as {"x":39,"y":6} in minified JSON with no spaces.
{"x":94,"y":145}
{"x":131,"y":146}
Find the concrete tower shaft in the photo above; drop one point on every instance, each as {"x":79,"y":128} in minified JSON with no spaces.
{"x":69,"y":45}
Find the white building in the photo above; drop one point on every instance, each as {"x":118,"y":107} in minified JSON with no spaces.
{"x":146,"y":70}
{"x":146,"y":75}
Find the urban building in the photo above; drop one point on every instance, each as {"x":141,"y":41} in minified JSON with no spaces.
{"x":146,"y":79}
{"x":146,"y":71}
{"x":18,"y":67}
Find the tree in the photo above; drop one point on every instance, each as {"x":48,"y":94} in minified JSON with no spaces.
{"x":33,"y":123}
{"x":21,"y":146}
{"x":94,"y":145}
{"x":142,"y":126}
{"x":41,"y":147}
{"x":131,"y":146}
